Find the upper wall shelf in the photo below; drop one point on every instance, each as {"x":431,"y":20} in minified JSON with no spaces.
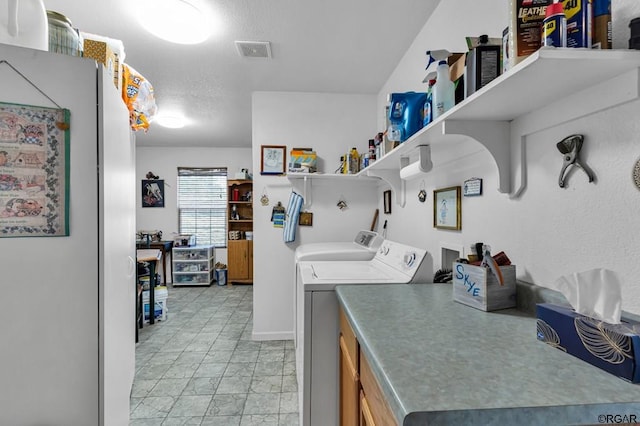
{"x":483,"y":120}
{"x":328,"y":176}
{"x":302,"y":182}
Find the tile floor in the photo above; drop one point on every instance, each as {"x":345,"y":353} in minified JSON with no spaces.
{"x":200,"y":366}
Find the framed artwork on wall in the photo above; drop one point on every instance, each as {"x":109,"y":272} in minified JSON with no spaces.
{"x":386,"y":197}
{"x":447,"y":211}
{"x":153,"y":193}
{"x":273,"y":159}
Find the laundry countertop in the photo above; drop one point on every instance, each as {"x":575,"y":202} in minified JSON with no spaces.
{"x":442,"y":362}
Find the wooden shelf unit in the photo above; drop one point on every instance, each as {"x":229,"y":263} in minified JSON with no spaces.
{"x":239,"y":222}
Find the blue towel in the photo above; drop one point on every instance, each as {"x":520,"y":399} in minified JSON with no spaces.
{"x":292,"y":216}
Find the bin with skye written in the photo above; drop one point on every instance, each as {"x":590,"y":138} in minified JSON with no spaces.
{"x":478,"y":287}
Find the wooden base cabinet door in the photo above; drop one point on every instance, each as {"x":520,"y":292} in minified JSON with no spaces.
{"x":240,"y":261}
{"x":366,"y":419}
{"x":349,"y":388}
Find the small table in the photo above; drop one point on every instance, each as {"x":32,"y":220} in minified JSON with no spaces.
{"x":152,"y":256}
{"x":165,"y":247}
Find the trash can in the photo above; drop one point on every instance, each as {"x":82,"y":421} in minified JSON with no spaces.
{"x":221,"y":276}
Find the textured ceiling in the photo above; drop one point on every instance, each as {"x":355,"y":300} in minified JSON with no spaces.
{"x":333,"y":46}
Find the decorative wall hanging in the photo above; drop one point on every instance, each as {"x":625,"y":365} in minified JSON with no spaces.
{"x":447,"y":211}
{"x":264,"y":198}
{"x":386,"y":198}
{"x":636,"y":174}
{"x":472,"y":187}
{"x":277,"y":215}
{"x":570,"y":148}
{"x":342,"y":204}
{"x":422,"y":195}
{"x":273,"y":159}
{"x":306,"y":219}
{"x":34,"y":170}
{"x":153,"y":193}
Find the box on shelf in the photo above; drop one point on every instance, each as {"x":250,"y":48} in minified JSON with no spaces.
{"x":478,"y":287}
{"x":303,"y":160}
{"x":184,"y":240}
{"x":614,"y":348}
{"x":101,"y":52}
{"x":160,"y":302}
{"x":241,"y":176}
{"x":457,"y":69}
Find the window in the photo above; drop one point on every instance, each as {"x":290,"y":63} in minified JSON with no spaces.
{"x":202,"y":204}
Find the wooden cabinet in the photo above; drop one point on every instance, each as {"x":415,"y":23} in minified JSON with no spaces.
{"x":240,"y":232}
{"x":349,"y":375}
{"x":240,"y":261}
{"x":361,"y":399}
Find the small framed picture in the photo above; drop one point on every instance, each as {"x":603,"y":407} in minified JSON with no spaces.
{"x":447,"y":211}
{"x":306,"y":219}
{"x":273,"y":159}
{"x":386,"y":196}
{"x":472,"y":187}
{"x":152,"y":193}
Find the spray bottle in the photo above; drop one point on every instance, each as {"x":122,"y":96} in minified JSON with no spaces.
{"x":427,"y":112}
{"x":443,"y":93}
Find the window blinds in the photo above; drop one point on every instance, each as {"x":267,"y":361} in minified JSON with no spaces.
{"x":202,"y":204}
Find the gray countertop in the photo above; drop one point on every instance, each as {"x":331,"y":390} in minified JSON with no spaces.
{"x":440,"y":362}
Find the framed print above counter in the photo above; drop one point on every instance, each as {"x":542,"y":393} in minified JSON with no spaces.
{"x":447,"y":211}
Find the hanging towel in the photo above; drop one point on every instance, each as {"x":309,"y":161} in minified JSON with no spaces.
{"x":291,"y":218}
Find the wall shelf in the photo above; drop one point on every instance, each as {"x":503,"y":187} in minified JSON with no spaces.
{"x":554,"y":77}
{"x":302,"y":182}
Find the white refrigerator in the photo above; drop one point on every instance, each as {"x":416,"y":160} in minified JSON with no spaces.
{"x":67,"y":303}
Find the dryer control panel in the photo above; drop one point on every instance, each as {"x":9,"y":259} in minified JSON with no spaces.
{"x":399,"y":256}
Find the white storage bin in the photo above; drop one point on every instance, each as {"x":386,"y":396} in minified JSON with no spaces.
{"x":160,"y":310}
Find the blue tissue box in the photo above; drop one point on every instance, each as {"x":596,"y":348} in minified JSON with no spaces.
{"x":612,"y":347}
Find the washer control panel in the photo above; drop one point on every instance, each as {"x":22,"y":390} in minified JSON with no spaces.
{"x":400,"y":256}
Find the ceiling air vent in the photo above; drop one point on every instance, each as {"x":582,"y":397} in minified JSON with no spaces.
{"x":254,"y":49}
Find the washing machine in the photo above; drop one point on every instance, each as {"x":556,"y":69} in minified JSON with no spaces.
{"x":317,"y":324}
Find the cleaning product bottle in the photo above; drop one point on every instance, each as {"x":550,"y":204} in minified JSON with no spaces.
{"x":427,"y":112}
{"x":345,"y":164}
{"x":483,"y":65}
{"x":354,"y":161}
{"x":443,"y":91}
{"x":554,"y":26}
{"x":372,"y":151}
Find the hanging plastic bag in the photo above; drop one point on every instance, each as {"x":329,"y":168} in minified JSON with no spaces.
{"x":137,"y":94}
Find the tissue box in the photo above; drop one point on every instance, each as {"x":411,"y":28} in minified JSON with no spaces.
{"x":614,"y":348}
{"x":302,"y":156}
{"x":478,"y":287}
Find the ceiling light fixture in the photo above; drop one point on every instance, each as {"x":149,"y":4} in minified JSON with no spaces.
{"x":170,"y":121}
{"x":177,"y":21}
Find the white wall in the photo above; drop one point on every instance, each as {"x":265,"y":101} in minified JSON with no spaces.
{"x":548,"y":231}
{"x":330,"y":124}
{"x":164,"y":162}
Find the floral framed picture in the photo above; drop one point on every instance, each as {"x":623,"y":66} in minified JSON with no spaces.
{"x":273,"y":159}
{"x":447,"y":211}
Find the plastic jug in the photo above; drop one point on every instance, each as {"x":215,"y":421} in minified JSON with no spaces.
{"x":24,"y":23}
